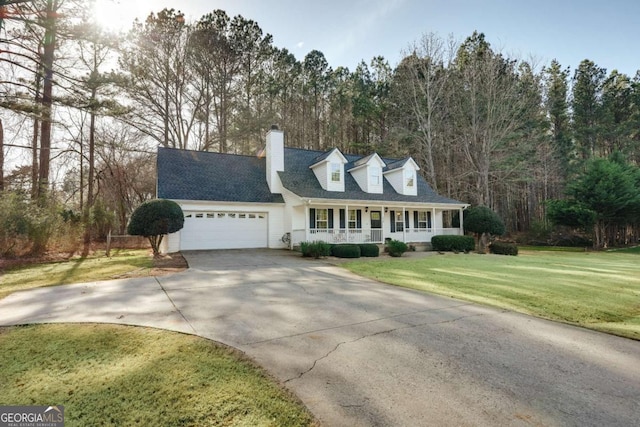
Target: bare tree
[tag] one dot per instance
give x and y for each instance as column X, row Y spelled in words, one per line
column 490, row 113
column 426, row 70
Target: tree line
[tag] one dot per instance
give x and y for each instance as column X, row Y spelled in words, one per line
column 486, row 128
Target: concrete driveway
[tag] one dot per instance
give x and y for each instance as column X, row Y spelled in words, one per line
column 361, row 353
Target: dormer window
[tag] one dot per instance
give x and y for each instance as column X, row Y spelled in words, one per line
column 367, row 171
column 402, row 176
column 329, row 168
column 375, row 176
column 335, row 172
column 410, row 179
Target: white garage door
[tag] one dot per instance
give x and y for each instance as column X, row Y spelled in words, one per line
column 223, row 230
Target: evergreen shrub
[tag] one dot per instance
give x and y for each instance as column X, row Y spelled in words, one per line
column 346, row 250
column 453, row 243
column 396, row 248
column 503, row 248
column 315, row 249
column 155, row 218
column 369, row 250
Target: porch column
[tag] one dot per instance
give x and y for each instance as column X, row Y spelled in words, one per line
column 382, row 218
column 461, row 223
column 404, row 229
column 306, row 226
column 346, row 223
column 433, row 221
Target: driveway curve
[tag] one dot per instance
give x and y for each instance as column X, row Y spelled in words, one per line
column 361, row 353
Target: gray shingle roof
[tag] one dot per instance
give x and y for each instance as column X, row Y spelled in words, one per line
column 299, row 179
column 396, row 164
column 199, row 175
column 363, row 160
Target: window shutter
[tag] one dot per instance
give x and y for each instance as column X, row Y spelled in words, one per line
column 428, row 219
column 393, row 221
column 330, row 218
column 342, row 219
column 312, row 218
column 406, row 219
column 416, row 223
column 359, row 218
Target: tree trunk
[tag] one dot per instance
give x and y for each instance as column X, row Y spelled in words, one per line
column 47, row 99
column 1, row 157
column 34, row 157
column 483, row 243
column 92, row 138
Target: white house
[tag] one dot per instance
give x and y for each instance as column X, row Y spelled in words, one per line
column 291, row 195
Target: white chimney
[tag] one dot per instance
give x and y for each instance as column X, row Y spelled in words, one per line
column 275, row 158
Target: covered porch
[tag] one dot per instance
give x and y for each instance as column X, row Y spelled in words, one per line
column 356, row 223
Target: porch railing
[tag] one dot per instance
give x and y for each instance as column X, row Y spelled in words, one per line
column 351, row 235
column 346, row 235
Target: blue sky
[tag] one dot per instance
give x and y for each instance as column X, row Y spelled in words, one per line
column 348, row 31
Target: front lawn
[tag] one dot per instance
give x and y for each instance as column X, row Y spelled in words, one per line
column 75, row 270
column 108, row 375
column 597, row 290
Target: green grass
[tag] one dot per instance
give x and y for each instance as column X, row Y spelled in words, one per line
column 633, row 250
column 597, row 290
column 552, row 248
column 112, row 375
column 77, row 270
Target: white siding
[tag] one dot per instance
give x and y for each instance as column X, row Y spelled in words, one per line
column 396, row 178
column 321, row 172
column 361, row 176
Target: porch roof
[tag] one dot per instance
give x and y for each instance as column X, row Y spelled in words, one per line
column 301, row 180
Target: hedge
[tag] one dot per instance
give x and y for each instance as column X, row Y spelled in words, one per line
column 315, row 249
column 453, row 243
column 369, row 250
column 503, row 248
column 346, row 250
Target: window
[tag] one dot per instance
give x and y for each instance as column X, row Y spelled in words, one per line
column 252, row 216
column 375, row 176
column 399, row 221
column 242, row 216
column 410, row 179
column 188, row 215
column 322, row 218
column 335, row 172
column 422, row 220
column 231, row 215
column 210, row 215
column 198, row 215
column 353, row 218
column 221, row 215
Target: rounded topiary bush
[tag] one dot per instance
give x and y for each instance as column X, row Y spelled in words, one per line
column 453, row 243
column 346, row 250
column 503, row 248
column 155, row 218
column 396, row 248
column 369, row 250
column 481, row 219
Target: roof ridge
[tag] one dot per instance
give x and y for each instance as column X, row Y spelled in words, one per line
column 161, row 147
